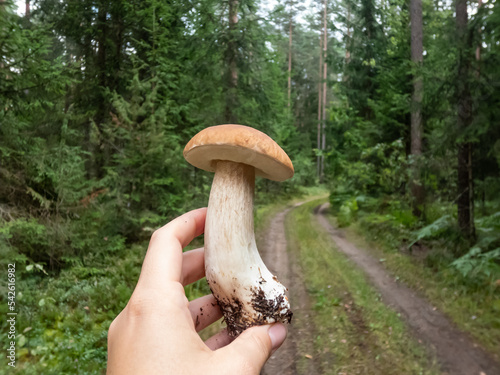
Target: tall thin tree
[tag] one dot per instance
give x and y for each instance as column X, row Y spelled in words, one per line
column 348, row 36
column 417, row 189
column 290, row 54
column 325, row 45
column 465, row 198
column 320, row 103
column 232, row 73
column 478, row 47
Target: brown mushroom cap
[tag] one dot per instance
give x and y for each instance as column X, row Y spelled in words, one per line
column 241, row 144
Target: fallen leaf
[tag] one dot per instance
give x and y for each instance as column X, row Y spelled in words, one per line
column 308, row 356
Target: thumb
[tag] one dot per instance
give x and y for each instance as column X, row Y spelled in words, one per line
column 255, row 345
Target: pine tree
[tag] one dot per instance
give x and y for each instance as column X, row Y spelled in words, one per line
column 417, row 188
column 465, row 198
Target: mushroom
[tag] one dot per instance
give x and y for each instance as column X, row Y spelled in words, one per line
column 247, row 292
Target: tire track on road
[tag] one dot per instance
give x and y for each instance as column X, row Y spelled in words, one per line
column 274, row 252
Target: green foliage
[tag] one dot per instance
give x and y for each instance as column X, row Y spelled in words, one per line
column 347, row 212
column 478, row 264
column 63, row 321
column 432, row 230
column 481, row 264
column 361, row 162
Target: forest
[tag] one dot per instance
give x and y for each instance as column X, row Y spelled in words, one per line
column 390, row 107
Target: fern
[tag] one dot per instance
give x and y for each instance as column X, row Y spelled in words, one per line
column 477, row 263
column 431, row 230
column 483, row 260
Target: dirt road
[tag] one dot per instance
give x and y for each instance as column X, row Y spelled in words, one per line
column 455, row 351
column 273, row 248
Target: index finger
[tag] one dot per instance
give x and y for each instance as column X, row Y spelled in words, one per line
column 163, row 261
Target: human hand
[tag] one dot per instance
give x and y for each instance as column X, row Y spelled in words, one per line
column 156, row 333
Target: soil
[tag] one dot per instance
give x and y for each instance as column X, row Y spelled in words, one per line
column 456, row 351
column 273, row 249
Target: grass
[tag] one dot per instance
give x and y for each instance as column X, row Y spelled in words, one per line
column 355, row 333
column 474, row 311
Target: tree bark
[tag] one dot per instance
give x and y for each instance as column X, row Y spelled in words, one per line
column 478, row 47
column 232, row 74
column 465, row 199
column 325, row 41
column 417, row 189
column 347, row 51
column 100, row 153
column 290, row 56
column 320, row 102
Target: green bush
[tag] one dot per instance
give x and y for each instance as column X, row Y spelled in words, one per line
column 481, row 264
column 347, row 212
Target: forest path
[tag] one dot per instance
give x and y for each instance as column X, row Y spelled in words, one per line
column 273, row 247
column 455, row 351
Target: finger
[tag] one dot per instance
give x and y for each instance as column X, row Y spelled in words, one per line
column 255, row 345
column 193, row 266
column 219, row 340
column 204, row 311
column 163, row 260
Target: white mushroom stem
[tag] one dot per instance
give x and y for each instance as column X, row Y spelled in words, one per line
column 247, row 292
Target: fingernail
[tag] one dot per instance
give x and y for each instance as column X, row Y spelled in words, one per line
column 277, row 334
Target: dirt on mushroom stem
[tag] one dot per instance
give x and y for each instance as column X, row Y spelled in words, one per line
column 236, row 319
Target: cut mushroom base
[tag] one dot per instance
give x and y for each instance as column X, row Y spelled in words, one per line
column 246, row 291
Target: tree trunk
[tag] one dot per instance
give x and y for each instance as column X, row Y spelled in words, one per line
column 465, row 200
column 232, row 74
column 325, row 41
column 417, row 189
column 27, row 10
column 478, row 48
column 347, row 51
column 320, row 102
column 100, row 156
column 290, row 57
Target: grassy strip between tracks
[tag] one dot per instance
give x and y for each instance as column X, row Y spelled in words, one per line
column 355, row 332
